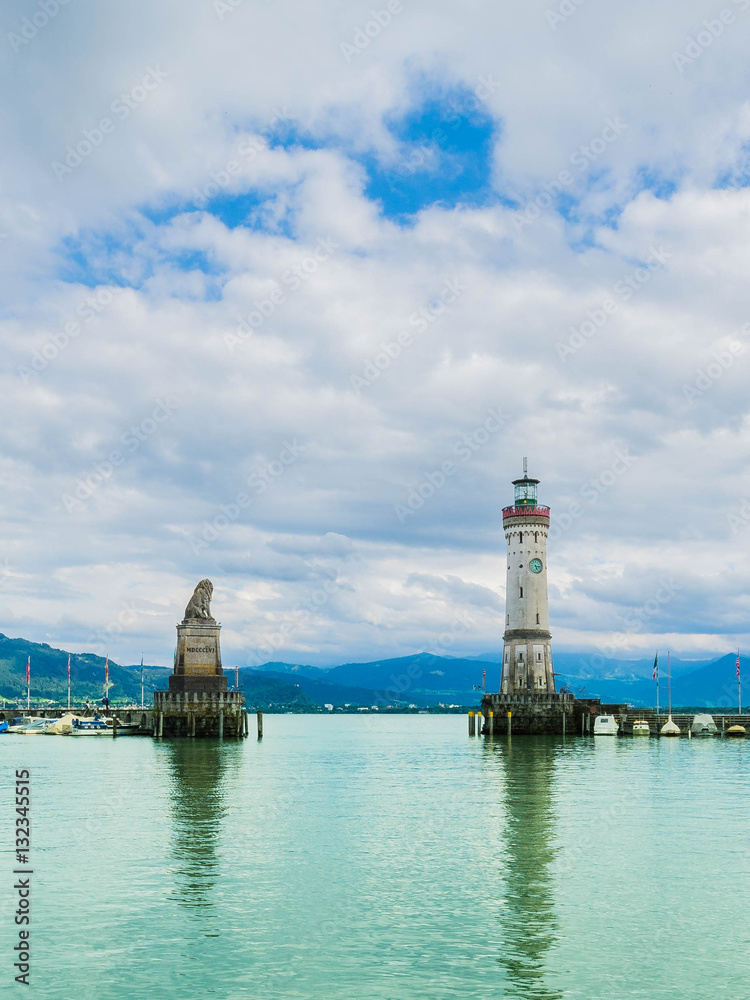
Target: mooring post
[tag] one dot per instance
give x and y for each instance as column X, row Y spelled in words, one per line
column 192, row 723
column 510, row 723
column 480, row 723
column 491, row 724
column 563, row 723
column 114, row 726
column 246, row 723
column 260, row 725
column 161, row 725
column 221, row 723
column 472, row 723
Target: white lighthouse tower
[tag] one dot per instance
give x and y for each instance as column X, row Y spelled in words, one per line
column 527, row 652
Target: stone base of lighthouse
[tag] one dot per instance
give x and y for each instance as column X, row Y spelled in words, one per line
column 527, row 663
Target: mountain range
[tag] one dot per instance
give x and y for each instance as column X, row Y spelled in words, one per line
column 420, row 680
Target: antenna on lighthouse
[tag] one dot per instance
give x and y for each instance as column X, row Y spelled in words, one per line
column 525, row 466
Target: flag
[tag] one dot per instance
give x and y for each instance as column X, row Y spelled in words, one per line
column 106, row 671
column 28, row 670
column 655, row 674
column 68, row 668
column 738, row 666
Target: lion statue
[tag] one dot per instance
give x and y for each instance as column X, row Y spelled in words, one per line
column 199, row 605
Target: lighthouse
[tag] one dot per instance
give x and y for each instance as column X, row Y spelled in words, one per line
column 527, row 651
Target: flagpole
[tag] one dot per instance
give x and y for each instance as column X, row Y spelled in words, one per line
column 68, row 681
column 141, row 680
column 656, row 671
column 28, row 684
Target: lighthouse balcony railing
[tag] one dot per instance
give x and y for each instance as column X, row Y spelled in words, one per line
column 526, row 511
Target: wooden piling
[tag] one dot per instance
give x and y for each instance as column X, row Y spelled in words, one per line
column 472, row 723
column 480, row 723
column 114, row 727
column 221, row 723
column 192, row 723
column 510, row 723
column 246, row 724
column 260, row 725
column 563, row 723
column 491, row 724
column 161, row 724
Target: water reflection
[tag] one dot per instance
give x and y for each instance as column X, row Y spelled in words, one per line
column 197, row 771
column 529, row 923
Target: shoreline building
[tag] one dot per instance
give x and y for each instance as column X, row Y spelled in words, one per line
column 527, row 650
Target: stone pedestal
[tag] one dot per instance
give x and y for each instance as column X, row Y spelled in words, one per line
column 198, row 661
column 197, row 703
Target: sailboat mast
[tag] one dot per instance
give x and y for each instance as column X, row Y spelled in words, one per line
column 669, row 683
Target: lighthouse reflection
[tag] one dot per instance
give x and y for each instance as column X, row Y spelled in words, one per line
column 529, row 923
column 197, row 771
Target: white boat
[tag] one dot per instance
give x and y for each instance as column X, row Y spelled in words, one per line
column 641, row 727
column 28, row 726
column 703, row 725
column 670, row 728
column 605, row 725
column 90, row 727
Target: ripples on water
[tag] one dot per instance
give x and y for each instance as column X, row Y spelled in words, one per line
column 388, row 857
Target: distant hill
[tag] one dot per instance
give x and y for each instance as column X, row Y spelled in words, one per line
column 423, row 679
column 49, row 679
column 49, row 675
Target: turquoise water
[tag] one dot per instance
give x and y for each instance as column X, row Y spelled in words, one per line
column 384, row 857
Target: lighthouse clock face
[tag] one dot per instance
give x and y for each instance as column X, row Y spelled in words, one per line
column 535, row 565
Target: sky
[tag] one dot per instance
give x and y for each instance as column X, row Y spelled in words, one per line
column 289, row 290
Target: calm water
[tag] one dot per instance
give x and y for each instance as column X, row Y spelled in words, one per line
column 392, row 857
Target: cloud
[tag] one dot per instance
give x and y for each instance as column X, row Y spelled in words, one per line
column 270, row 223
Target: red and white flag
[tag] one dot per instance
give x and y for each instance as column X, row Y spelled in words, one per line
column 737, row 674
column 28, row 670
column 69, row 668
column 106, row 671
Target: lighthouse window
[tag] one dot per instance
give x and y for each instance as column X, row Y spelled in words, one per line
column 536, row 536
column 520, row 538
column 537, row 618
column 521, row 589
column 538, row 655
column 507, row 619
column 520, row 656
